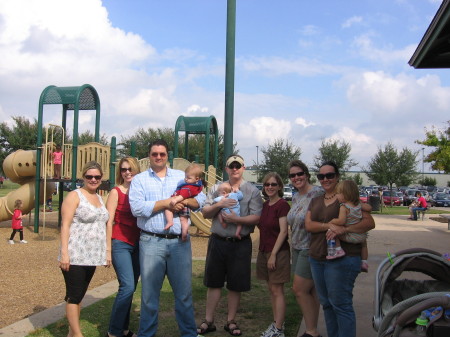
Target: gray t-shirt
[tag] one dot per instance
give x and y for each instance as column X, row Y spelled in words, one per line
column 251, row 204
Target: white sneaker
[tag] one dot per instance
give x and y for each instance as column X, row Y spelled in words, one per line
column 277, row 333
column 23, row 241
column 11, row 242
column 269, row 331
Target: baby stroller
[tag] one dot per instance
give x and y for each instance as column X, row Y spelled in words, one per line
column 398, row 302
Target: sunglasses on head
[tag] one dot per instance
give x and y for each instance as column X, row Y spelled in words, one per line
column 236, row 166
column 298, row 174
column 89, row 177
column 271, row 184
column 329, row 176
column 156, row 154
column 125, row 169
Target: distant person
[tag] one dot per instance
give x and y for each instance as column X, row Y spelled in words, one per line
column 57, row 162
column 350, row 213
column 1, row 181
column 123, row 241
column 421, row 205
column 224, row 191
column 83, row 241
column 16, row 223
column 187, row 188
column 273, row 263
column 49, row 204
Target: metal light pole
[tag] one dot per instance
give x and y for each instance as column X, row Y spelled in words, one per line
column 423, row 165
column 257, row 163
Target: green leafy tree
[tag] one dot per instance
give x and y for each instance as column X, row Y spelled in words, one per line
column 21, row 135
column 357, row 179
column 337, row 151
column 277, row 155
column 440, row 140
column 427, row 181
column 389, row 166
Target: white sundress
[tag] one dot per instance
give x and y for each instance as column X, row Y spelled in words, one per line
column 87, row 236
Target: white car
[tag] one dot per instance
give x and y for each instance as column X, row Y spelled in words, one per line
column 287, row 193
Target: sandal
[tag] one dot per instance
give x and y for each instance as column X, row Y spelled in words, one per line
column 232, row 330
column 210, row 327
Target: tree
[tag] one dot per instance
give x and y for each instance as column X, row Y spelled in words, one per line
column 440, row 140
column 337, row 151
column 357, row 179
column 427, row 181
column 276, row 158
column 389, row 167
column 22, row 135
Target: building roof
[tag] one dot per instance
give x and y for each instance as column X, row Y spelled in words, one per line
column 434, row 48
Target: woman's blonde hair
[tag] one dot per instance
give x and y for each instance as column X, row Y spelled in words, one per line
column 349, row 190
column 17, row 203
column 91, row 165
column 279, row 182
column 134, row 168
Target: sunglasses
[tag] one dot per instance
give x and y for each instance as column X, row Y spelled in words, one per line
column 329, row 176
column 236, row 166
column 298, row 174
column 271, row 184
column 125, row 169
column 89, row 177
column 156, row 154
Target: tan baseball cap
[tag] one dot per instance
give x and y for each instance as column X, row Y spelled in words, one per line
column 233, row 159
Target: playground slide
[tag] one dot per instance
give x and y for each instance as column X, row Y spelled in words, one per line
column 20, row 167
column 200, row 222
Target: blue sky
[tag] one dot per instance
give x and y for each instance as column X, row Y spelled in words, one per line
column 305, row 70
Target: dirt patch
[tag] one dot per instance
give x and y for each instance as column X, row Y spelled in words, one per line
column 31, row 280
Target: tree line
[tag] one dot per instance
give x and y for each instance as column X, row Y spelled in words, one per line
column 389, row 166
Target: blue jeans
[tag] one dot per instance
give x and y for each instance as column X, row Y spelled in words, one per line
column 415, row 209
column 160, row 257
column 125, row 259
column 334, row 281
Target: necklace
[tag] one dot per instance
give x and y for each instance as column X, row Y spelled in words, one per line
column 329, row 198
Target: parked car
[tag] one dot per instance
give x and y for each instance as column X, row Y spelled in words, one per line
column 401, row 196
column 287, row 193
column 363, row 197
column 389, row 197
column 410, row 196
column 68, row 185
column 441, row 200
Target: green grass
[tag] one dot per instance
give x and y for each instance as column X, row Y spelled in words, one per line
column 403, row 210
column 254, row 315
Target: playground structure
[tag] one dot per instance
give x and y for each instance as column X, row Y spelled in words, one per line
column 20, row 168
column 35, row 169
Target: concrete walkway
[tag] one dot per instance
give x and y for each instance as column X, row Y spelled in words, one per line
column 392, row 234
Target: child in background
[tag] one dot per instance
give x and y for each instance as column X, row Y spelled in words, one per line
column 49, row 204
column 224, row 191
column 187, row 188
column 16, row 223
column 350, row 213
column 57, row 162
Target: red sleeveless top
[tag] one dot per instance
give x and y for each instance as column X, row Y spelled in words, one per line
column 125, row 228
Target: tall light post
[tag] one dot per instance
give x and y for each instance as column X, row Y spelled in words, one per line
column 257, row 163
column 423, row 165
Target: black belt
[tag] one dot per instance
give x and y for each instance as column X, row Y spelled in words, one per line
column 230, row 238
column 164, row 236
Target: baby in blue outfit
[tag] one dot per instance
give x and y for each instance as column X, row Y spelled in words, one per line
column 224, row 191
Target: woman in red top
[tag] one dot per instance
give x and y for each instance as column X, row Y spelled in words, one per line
column 124, row 242
column 273, row 261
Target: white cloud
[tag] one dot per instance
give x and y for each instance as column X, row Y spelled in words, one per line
column 303, row 122
column 352, row 21
column 264, row 130
column 309, row 30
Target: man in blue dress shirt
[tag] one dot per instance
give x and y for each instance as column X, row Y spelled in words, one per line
column 162, row 252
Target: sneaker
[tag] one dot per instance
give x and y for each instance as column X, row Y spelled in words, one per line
column 339, row 253
column 23, row 241
column 277, row 333
column 269, row 331
column 11, row 242
column 364, row 267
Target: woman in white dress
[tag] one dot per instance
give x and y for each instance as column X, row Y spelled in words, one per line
column 83, row 241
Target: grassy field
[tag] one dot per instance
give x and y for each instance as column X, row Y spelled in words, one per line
column 254, row 316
